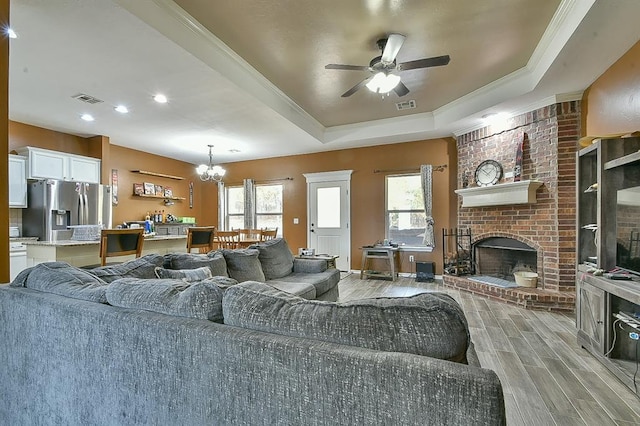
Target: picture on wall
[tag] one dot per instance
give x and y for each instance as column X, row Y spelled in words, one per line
column 149, row 189
column 159, row 190
column 138, row 189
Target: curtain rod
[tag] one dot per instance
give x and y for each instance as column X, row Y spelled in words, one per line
column 439, row 168
column 260, row 181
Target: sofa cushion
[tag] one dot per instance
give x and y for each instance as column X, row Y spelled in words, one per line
column 63, row 279
column 222, row 282
column 142, row 267
column 322, row 281
column 186, row 275
column 201, row 299
column 302, row 289
column 214, row 260
column 430, row 324
column 244, row 265
column 275, row 257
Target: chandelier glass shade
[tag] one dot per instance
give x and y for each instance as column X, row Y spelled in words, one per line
column 210, row 171
column 383, row 83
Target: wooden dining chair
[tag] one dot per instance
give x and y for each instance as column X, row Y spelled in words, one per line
column 120, row 242
column 201, row 238
column 249, row 234
column 268, row 234
column 227, row 239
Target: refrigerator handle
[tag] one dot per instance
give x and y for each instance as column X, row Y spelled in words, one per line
column 80, row 208
column 85, row 208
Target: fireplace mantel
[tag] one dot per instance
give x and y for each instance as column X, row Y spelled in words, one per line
column 523, row 192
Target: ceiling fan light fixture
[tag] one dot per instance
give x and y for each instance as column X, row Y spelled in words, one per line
column 210, row 171
column 383, row 83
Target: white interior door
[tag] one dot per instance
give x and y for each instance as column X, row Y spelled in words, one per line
column 328, row 215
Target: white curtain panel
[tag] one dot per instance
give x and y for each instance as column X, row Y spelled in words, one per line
column 426, row 172
column 249, row 201
column 222, row 206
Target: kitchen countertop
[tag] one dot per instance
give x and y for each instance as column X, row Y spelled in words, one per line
column 68, row 243
column 22, row 239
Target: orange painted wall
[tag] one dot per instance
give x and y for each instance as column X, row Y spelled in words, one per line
column 131, row 207
column 4, row 151
column 124, row 160
column 367, row 189
column 21, row 134
column 612, row 102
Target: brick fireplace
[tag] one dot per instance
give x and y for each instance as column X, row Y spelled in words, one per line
column 543, row 230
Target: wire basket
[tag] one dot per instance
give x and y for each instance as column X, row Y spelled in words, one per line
column 86, row 232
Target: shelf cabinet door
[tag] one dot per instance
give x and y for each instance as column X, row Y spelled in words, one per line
column 591, row 316
column 45, row 164
column 84, row 169
column 17, row 181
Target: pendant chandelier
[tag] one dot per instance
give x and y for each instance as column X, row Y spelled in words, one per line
column 210, row 171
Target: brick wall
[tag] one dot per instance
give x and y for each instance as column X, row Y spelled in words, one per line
column 551, row 141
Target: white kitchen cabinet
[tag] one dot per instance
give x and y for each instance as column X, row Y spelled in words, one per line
column 47, row 164
column 17, row 181
column 84, row 169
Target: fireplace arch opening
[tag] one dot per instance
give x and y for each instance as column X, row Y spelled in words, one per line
column 500, row 257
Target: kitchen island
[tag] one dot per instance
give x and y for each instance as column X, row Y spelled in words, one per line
column 83, row 253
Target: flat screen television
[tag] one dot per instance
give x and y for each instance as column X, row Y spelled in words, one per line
column 628, row 229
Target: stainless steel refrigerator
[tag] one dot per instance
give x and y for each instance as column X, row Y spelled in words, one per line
column 55, row 207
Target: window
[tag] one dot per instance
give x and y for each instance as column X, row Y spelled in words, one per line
column 405, row 216
column 235, row 207
column 268, row 207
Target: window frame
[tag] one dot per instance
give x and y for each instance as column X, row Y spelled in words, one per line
column 388, row 212
column 255, row 213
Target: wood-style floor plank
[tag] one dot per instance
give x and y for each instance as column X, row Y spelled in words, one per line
column 547, row 378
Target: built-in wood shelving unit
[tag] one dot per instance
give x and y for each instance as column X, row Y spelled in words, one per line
column 158, row 196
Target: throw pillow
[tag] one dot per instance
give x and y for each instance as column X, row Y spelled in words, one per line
column 214, row 260
column 222, row 282
column 63, row 279
column 244, row 265
column 201, row 299
column 429, row 324
column 186, row 275
column 275, row 257
column 142, row 267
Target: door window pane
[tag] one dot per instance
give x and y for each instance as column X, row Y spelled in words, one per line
column 328, row 206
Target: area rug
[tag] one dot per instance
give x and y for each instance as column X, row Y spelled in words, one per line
column 498, row 282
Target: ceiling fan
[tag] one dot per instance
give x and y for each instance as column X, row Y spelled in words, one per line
column 383, row 80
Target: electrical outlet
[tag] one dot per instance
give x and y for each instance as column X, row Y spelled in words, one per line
column 411, row 259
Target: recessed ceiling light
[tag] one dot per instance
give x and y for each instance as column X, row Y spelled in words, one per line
column 87, row 117
column 122, row 109
column 495, row 117
column 11, row 33
column 234, row 151
column 160, row 98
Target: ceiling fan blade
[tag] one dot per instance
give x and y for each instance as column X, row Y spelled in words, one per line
column 424, row 63
column 347, row 67
column 401, row 89
column 357, row 87
column 391, row 49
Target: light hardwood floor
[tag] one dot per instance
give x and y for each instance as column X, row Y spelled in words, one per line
column 546, row 377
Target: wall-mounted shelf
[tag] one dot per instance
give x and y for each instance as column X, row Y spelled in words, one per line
column 145, row 172
column 158, row 196
column 523, row 192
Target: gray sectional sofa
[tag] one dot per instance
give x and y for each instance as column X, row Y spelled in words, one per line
column 102, row 348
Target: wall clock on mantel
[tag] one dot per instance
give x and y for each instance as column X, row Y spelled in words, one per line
column 488, row 173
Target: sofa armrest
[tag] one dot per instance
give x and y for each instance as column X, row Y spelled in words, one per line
column 309, row 266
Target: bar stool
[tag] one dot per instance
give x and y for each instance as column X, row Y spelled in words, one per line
column 201, row 237
column 120, row 242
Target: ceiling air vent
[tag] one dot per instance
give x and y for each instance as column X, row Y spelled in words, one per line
column 87, row 98
column 401, row 106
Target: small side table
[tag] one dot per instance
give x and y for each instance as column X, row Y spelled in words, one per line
column 387, row 253
column 330, row 258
